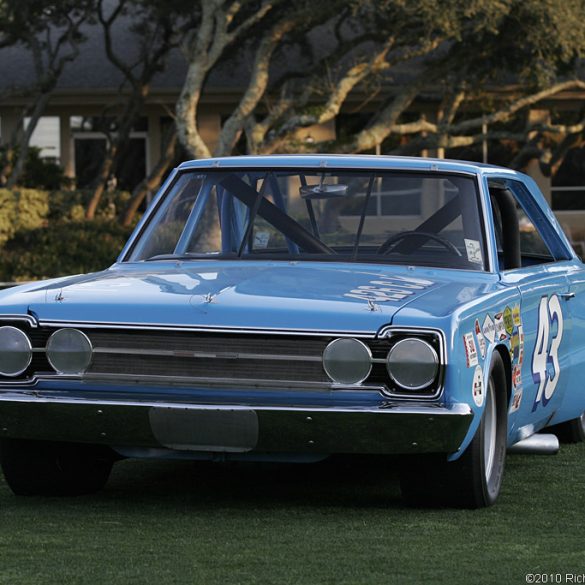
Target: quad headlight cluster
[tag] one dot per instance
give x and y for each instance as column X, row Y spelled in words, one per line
column 68, row 351
column 412, row 364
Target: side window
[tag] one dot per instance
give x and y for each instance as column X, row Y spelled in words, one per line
column 524, row 235
column 531, row 242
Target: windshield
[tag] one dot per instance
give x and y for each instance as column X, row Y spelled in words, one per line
column 429, row 219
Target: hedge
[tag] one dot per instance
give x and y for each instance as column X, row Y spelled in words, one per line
column 22, row 209
column 61, row 248
column 44, row 234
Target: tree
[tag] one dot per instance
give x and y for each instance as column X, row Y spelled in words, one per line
column 385, row 60
column 154, row 178
column 51, row 31
column 156, row 27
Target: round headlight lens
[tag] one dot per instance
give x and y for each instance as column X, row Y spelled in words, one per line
column 69, row 351
column 15, row 351
column 412, row 363
column 347, row 361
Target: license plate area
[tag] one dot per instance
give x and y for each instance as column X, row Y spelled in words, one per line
column 195, row 429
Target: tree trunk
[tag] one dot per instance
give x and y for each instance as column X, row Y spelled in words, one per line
column 102, row 179
column 150, row 183
column 186, row 109
column 116, row 147
column 8, row 166
column 22, row 139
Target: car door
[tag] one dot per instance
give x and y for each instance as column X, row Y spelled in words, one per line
column 539, row 328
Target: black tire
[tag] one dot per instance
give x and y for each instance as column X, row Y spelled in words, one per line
column 466, row 482
column 44, row 468
column 572, row 431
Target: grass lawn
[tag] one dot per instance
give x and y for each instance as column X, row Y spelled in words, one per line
column 176, row 522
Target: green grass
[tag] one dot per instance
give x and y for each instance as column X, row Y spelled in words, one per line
column 176, row 522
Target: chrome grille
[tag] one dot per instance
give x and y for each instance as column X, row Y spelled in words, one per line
column 207, row 357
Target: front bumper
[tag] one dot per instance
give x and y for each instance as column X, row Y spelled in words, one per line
column 390, row 428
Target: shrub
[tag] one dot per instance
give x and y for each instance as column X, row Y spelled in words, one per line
column 71, row 205
column 41, row 173
column 61, row 248
column 38, row 172
column 21, row 209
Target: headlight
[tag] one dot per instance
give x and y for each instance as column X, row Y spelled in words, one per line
column 347, row 361
column 412, row 364
column 69, row 351
column 15, row 351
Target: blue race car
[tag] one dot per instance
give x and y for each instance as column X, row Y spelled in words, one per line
column 290, row 308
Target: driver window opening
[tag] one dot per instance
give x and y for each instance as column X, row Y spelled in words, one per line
column 518, row 239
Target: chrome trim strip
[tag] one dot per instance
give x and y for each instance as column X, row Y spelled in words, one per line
column 389, row 330
column 28, row 318
column 483, row 199
column 227, row 383
column 206, row 329
column 217, row 382
column 228, row 355
column 7, row 384
column 332, row 163
column 458, row 408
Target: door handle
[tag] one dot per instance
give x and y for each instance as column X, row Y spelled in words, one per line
column 567, row 295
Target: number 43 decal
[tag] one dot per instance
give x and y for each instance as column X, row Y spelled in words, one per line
column 546, row 350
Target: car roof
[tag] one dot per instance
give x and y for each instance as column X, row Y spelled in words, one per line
column 335, row 161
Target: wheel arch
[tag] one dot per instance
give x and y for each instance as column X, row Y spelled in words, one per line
column 505, row 355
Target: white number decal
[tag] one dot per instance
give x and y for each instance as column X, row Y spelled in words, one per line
column 549, row 312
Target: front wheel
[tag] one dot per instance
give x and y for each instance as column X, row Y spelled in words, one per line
column 47, row 468
column 474, row 480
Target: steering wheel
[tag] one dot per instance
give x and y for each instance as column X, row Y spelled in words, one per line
column 394, row 239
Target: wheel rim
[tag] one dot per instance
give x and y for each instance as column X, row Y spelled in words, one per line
column 582, row 421
column 489, row 437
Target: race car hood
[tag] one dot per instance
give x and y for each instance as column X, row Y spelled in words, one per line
column 303, row 296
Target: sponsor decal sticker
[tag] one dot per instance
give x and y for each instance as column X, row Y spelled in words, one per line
column 516, row 315
column 499, row 326
column 516, row 376
column 508, row 320
column 520, row 345
column 473, row 250
column 477, row 388
column 515, row 346
column 261, row 239
column 470, row 350
column 516, row 400
column 480, row 339
column 489, row 329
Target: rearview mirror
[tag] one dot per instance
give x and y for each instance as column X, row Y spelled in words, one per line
column 323, row 191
